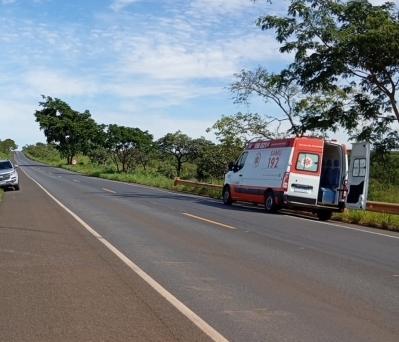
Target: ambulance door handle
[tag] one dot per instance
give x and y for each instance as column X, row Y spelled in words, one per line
column 240, row 175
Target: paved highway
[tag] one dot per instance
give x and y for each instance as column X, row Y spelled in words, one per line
column 237, row 272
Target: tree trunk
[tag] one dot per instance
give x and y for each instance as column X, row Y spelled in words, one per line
column 178, row 168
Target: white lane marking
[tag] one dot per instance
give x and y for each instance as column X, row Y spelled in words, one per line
column 76, row 181
column 209, row 221
column 344, row 227
column 114, row 192
column 193, row 317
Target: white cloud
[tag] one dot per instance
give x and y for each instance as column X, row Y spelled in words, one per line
column 213, row 59
column 163, row 66
column 7, row 2
column 221, row 6
column 119, row 4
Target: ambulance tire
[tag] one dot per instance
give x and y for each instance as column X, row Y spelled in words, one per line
column 227, row 196
column 324, row 215
column 270, row 204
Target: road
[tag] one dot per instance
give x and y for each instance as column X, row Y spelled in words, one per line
column 241, row 273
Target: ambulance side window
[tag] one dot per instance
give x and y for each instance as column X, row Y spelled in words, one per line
column 241, row 161
column 359, row 167
column 307, row 162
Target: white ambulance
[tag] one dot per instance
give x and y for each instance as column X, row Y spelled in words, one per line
column 304, row 173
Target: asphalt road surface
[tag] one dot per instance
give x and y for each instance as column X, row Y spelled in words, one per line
column 188, row 268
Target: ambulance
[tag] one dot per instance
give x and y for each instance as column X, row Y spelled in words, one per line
column 301, row 173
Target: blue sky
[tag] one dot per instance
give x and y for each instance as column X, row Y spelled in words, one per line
column 160, row 65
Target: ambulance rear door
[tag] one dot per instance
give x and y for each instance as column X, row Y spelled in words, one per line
column 358, row 176
column 304, row 177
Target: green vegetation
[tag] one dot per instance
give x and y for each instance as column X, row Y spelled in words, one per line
column 349, row 51
column 160, row 174
column 6, row 147
column 370, row 219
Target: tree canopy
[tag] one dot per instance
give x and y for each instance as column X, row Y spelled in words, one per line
column 181, row 147
column 292, row 105
column 127, row 145
column 271, row 87
column 72, row 132
column 7, row 145
column 349, row 46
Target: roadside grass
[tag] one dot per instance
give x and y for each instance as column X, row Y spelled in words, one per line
column 369, row 219
column 383, row 192
column 151, row 178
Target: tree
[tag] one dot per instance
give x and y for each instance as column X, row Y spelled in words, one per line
column 278, row 88
column 98, row 155
column 145, row 152
column 270, row 87
column 240, row 128
column 213, row 159
column 71, row 132
column 347, row 45
column 181, row 147
column 124, row 145
column 8, row 145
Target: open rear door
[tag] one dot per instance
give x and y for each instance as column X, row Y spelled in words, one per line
column 358, row 176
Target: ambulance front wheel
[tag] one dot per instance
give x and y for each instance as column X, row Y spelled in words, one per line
column 227, row 196
column 324, row 215
column 270, row 204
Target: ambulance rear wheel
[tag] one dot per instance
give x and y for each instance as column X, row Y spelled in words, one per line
column 270, row 204
column 324, row 215
column 227, row 196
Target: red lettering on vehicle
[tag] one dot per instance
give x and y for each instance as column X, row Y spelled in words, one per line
column 276, row 152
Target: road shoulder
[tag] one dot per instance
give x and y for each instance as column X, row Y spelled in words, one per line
column 59, row 283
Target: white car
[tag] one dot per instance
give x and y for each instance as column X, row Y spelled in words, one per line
column 8, row 174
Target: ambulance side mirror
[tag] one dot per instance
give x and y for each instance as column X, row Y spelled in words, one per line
column 230, row 166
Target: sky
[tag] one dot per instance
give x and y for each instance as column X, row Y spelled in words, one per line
column 159, row 65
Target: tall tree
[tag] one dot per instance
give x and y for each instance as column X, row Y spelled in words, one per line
column 181, row 147
column 270, row 87
column 279, row 89
column 72, row 132
column 7, row 145
column 238, row 129
column 124, row 144
column 351, row 45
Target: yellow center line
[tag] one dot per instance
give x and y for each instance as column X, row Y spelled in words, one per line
column 210, row 221
column 114, row 192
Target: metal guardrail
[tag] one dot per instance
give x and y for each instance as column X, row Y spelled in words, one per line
column 179, row 181
column 383, row 207
column 378, row 207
